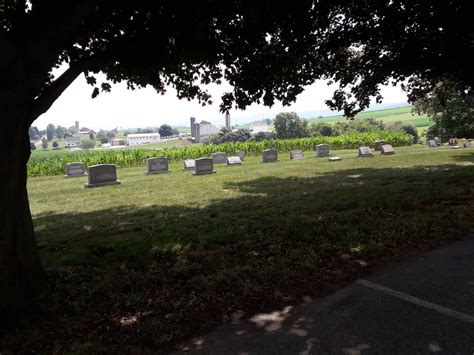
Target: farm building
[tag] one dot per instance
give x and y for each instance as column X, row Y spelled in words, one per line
column 143, row 138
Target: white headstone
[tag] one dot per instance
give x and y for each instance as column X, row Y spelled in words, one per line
column 335, row 159
column 234, row 160
column 432, row 143
column 188, row 164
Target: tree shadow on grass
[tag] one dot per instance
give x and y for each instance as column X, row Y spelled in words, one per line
column 147, row 277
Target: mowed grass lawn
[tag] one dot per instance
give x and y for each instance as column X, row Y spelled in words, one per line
column 138, row 266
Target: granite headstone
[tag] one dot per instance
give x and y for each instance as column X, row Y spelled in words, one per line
column 296, row 154
column 157, row 165
column 386, row 149
column 219, row 158
column 240, row 154
column 378, row 144
column 365, row 152
column 102, row 174
column 269, row 156
column 75, row 170
column 322, row 150
column 204, row 166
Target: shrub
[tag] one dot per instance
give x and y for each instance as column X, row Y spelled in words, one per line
column 88, row 144
column 407, row 128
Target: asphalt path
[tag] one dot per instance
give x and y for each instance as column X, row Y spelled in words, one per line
column 424, row 304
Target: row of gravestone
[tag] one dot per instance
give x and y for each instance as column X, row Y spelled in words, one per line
column 433, row 143
column 106, row 174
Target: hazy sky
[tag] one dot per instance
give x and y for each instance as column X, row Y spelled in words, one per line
column 144, row 108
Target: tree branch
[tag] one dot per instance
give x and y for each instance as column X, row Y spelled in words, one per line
column 45, row 100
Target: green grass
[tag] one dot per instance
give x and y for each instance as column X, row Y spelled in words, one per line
column 388, row 116
column 193, row 250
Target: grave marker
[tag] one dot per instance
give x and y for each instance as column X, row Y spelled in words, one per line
column 322, row 150
column 467, row 144
column 75, row 170
column 387, row 149
column 240, row 154
column 296, row 154
column 102, row 174
column 188, row 164
column 269, row 156
column 365, row 152
column 157, row 165
column 204, row 166
column 378, row 144
column 334, row 158
column 219, row 158
column 234, row 160
column 432, row 143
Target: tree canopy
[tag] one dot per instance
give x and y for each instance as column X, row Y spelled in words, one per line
column 290, row 125
column 267, row 51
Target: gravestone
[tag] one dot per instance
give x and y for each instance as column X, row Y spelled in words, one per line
column 219, row 158
column 467, row 144
column 269, row 156
column 378, row 144
column 157, row 165
column 386, row 149
column 365, row 152
column 438, row 141
column 188, row 164
column 456, row 147
column 204, row 166
column 322, row 150
column 432, row 143
column 75, row 170
column 240, row 154
column 296, row 154
column 102, row 174
column 234, row 160
column 334, row 158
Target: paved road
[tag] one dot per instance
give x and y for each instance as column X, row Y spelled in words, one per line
column 422, row 305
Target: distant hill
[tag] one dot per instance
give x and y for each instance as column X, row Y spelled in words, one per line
column 402, row 114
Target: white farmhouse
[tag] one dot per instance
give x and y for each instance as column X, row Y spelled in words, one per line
column 143, row 138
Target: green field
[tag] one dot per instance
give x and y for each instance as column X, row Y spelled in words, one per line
column 388, row 116
column 138, row 266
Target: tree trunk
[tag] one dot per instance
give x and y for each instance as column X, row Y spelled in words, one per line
column 21, row 271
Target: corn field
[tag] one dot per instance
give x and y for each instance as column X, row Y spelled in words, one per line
column 44, row 164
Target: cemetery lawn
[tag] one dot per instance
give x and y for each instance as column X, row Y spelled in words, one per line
column 137, row 267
